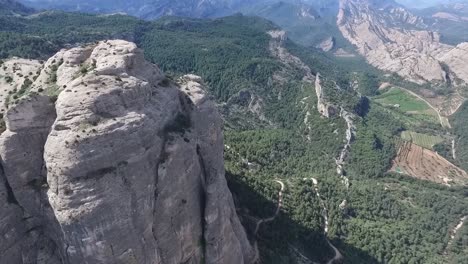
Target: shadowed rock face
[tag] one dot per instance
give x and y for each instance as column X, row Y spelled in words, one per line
column 105, row 160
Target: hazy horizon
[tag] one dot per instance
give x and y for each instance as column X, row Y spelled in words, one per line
column 427, row 3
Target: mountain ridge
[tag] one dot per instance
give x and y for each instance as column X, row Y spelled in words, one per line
column 328, row 128
column 14, row 7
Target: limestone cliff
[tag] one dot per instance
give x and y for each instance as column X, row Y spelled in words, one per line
column 395, row 40
column 105, row 160
column 325, row 108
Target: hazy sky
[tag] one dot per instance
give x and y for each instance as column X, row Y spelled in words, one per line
column 426, row 3
column 407, row 3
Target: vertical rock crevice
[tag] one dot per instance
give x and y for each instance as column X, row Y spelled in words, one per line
column 11, row 199
column 203, row 176
column 134, row 167
column 28, row 123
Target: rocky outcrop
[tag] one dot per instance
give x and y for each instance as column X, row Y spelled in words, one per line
column 327, row 44
column 389, row 48
column 249, row 101
column 16, row 74
column 350, row 136
column 395, row 40
column 449, row 16
column 325, row 109
column 105, row 160
column 277, row 50
column 456, row 59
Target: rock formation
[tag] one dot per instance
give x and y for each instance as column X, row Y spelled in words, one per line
column 277, row 49
column 327, row 44
column 350, row 136
column 105, row 160
column 323, row 106
column 395, row 40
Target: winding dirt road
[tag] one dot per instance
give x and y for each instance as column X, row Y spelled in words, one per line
column 269, row 219
column 278, row 208
column 444, row 122
column 338, row 256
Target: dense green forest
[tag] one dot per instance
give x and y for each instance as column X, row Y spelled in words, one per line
column 386, row 218
column 236, row 60
column 460, row 126
column 39, row 36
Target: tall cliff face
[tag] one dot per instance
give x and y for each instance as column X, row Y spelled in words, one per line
column 105, row 160
column 389, row 47
column 395, row 40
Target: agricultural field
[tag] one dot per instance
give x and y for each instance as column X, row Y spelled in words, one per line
column 405, row 101
column 423, row 140
column 424, row 164
column 407, row 107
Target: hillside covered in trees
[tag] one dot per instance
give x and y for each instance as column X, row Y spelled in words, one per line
column 274, row 132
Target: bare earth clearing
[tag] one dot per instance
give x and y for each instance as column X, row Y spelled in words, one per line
column 425, row 164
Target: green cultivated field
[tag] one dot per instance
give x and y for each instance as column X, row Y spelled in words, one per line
column 423, row 140
column 407, row 108
column 407, row 102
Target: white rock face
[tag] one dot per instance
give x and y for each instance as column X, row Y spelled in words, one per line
column 13, row 75
column 450, row 16
column 384, row 34
column 125, row 167
column 456, row 59
column 325, row 109
column 327, row 45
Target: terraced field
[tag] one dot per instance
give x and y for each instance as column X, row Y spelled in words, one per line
column 423, row 140
column 425, row 164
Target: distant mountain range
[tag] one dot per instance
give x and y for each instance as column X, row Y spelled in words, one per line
column 370, row 27
column 13, row 7
column 147, row 9
column 151, row 9
column 427, row 3
column 103, row 159
column 309, row 22
column 297, row 16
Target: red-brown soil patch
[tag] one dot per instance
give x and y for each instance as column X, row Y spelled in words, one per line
column 425, row 164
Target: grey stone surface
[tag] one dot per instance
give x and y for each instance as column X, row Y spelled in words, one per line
column 393, row 39
column 123, row 167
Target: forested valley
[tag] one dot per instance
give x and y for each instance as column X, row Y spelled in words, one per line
column 373, row 216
